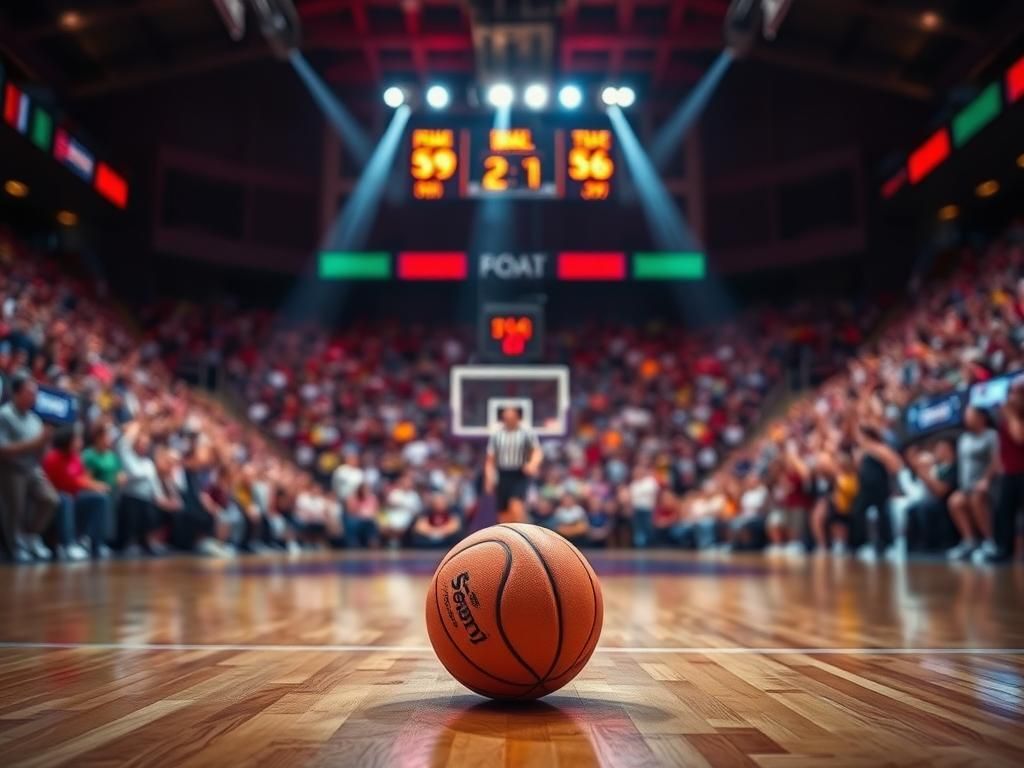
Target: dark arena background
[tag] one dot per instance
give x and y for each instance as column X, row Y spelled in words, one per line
column 724, row 299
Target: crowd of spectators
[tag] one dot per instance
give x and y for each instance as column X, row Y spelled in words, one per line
column 347, row 441
column 365, row 410
column 143, row 463
column 842, row 471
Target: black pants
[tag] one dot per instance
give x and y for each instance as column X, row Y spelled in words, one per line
column 190, row 525
column 928, row 526
column 1008, row 504
column 512, row 484
column 136, row 518
column 871, row 495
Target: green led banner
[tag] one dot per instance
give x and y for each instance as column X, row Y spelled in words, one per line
column 355, row 265
column 655, row 265
column 983, row 110
column 42, row 129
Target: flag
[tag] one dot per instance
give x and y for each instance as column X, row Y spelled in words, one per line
column 16, row 106
column 75, row 156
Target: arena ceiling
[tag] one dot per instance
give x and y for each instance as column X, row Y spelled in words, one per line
column 917, row 48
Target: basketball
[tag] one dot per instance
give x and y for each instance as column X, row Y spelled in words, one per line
column 514, row 612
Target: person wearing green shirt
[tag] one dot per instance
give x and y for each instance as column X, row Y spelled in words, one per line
column 102, row 463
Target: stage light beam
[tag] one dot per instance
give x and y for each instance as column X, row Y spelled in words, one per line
column 352, row 227
column 668, row 228
column 342, row 120
column 570, row 96
column 678, row 125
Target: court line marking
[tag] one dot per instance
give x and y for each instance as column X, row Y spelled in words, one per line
column 731, row 650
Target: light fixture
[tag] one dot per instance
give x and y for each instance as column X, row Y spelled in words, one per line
column 930, row 20
column 570, row 96
column 16, row 188
column 70, row 20
column 500, row 95
column 626, row 96
column 394, row 97
column 948, row 212
column 438, row 97
column 536, row 96
column 610, row 96
column 1020, row 160
column 67, row 218
column 987, row 188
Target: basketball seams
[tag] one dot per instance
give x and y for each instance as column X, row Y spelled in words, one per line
column 444, row 624
column 554, row 592
column 497, row 614
column 593, row 591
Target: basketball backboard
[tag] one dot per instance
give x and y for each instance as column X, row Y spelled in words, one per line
column 478, row 393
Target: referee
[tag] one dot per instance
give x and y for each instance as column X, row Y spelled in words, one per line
column 513, row 457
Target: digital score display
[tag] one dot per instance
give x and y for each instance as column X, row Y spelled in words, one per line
column 511, row 333
column 516, row 162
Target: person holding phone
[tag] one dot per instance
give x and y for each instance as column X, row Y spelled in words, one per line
column 28, row 501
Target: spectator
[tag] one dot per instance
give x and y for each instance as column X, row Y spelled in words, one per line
column 969, row 506
column 85, row 502
column 570, row 520
column 837, row 486
column 1011, row 463
column 437, row 525
column 928, row 519
column 643, row 498
column 602, row 523
column 139, row 515
column 878, row 462
column 361, row 511
column 402, row 506
column 28, row 501
column 348, row 477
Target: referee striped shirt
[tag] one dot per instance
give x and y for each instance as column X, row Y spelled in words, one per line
column 512, row 448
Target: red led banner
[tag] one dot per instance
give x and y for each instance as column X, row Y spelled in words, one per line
column 1015, row 81
column 111, row 185
column 432, row 265
column 894, row 184
column 928, row 156
column 583, row 265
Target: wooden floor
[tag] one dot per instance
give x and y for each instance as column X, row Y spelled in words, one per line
column 324, row 661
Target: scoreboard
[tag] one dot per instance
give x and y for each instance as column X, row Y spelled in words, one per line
column 517, row 162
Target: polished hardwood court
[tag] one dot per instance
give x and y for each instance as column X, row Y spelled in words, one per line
column 323, row 660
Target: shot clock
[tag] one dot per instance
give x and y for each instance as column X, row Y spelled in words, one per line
column 511, row 333
column 536, row 161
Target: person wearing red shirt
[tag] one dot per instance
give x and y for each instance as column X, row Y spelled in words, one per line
column 1011, row 465
column 85, row 502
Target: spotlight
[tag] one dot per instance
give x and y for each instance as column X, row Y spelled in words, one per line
column 1020, row 161
column 437, row 96
column 394, row 97
column 70, row 20
column 930, row 20
column 987, row 188
column 948, row 212
column 626, row 96
column 16, row 188
column 610, row 96
column 570, row 96
column 500, row 95
column 67, row 218
column 536, row 96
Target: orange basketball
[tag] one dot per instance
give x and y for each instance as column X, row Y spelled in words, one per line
column 514, row 612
